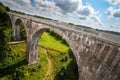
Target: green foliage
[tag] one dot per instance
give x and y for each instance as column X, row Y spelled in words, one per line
column 57, row 36
column 70, row 68
column 5, row 33
column 42, row 17
column 22, row 31
column 21, row 73
column 50, row 41
column 7, row 9
column 54, row 34
column 19, row 12
column 66, row 69
column 20, row 25
column 35, row 68
column 111, row 32
column 2, row 8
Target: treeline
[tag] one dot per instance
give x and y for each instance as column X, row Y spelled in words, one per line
column 82, row 26
column 19, row 12
column 41, row 17
column 57, row 36
column 106, row 31
column 111, row 32
column 5, row 32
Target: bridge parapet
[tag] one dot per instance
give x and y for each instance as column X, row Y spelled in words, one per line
column 103, row 36
column 110, row 37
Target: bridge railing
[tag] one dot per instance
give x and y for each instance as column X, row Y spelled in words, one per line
column 103, row 36
column 89, row 32
column 109, row 37
column 92, row 31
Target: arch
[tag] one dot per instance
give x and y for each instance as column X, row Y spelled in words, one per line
column 35, row 39
column 33, row 53
column 15, row 26
column 34, row 44
column 17, row 33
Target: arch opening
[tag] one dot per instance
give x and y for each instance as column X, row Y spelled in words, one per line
column 59, row 57
column 19, row 31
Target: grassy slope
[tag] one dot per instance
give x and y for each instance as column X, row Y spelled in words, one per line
column 52, row 65
column 49, row 41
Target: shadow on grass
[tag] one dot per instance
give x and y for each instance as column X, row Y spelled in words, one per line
column 11, row 69
column 69, row 72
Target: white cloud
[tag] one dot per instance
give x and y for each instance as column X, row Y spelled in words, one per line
column 67, row 6
column 42, row 7
column 114, row 2
column 65, row 10
column 61, row 9
column 86, row 10
column 47, row 6
column 113, row 13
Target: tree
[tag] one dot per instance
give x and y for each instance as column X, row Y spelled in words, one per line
column 5, row 31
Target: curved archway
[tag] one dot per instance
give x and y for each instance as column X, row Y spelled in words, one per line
column 19, row 31
column 34, row 53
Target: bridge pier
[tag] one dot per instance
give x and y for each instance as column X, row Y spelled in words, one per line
column 16, row 32
column 32, row 53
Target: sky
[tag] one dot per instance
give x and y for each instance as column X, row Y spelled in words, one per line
column 98, row 14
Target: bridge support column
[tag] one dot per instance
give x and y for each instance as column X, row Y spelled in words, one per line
column 16, row 32
column 32, row 53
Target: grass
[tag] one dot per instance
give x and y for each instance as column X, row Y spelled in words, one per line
column 25, row 72
column 52, row 65
column 48, row 41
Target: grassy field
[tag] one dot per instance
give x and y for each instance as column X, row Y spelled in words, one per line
column 52, row 65
column 49, row 41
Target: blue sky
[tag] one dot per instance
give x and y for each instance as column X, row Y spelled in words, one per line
column 99, row 14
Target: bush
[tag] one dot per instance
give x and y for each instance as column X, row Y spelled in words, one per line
column 64, row 59
column 2, row 8
column 7, row 9
column 5, row 31
column 21, row 73
column 35, row 68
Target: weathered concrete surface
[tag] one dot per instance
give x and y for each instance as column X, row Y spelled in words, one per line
column 97, row 54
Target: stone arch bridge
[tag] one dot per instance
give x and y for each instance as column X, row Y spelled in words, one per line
column 97, row 54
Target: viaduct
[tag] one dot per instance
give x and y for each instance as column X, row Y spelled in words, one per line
column 97, row 54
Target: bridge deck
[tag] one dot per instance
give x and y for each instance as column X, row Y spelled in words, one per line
column 114, row 39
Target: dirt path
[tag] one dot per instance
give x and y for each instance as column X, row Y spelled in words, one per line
column 49, row 72
column 50, row 68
